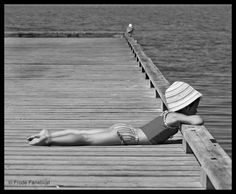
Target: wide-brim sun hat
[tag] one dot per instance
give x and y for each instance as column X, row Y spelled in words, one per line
column 180, row 95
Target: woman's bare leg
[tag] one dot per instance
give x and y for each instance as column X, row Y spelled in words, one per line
column 108, row 137
column 96, row 137
column 66, row 132
column 75, row 131
column 100, row 138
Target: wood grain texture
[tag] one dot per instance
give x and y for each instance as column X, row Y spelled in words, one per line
column 84, row 83
column 216, row 164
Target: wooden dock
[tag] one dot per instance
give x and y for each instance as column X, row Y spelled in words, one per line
column 84, row 83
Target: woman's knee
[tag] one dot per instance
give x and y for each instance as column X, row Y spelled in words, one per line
column 90, row 139
column 80, row 139
column 70, row 131
column 103, row 138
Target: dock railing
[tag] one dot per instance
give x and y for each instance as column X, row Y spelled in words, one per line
column 216, row 165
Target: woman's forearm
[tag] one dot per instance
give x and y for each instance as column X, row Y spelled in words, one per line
column 178, row 118
column 195, row 120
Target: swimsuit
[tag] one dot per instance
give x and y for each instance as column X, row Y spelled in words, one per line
column 127, row 134
column 157, row 130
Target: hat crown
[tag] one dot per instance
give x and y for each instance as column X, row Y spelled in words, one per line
column 180, row 95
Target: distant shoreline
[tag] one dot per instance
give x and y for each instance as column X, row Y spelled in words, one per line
column 62, row 34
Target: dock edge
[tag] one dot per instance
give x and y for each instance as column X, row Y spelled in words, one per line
column 215, row 163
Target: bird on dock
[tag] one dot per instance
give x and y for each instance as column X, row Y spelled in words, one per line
column 130, row 30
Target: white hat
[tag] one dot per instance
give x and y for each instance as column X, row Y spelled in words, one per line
column 180, row 95
column 130, row 25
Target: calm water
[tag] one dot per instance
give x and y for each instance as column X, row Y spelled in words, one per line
column 191, row 43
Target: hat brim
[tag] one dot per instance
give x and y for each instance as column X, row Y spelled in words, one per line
column 185, row 102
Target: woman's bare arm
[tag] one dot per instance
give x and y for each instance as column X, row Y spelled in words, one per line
column 175, row 119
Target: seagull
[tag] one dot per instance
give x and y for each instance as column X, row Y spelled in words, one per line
column 130, row 29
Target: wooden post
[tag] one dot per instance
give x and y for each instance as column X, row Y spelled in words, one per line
column 205, row 181
column 163, row 106
column 143, row 69
column 215, row 163
column 151, row 84
column 186, row 147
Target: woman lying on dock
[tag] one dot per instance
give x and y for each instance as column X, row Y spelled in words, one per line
column 182, row 101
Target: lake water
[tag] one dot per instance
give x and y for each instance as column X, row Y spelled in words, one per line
column 191, row 43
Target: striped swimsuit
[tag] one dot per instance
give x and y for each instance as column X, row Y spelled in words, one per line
column 157, row 131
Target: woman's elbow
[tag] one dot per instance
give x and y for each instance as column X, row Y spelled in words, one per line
column 198, row 120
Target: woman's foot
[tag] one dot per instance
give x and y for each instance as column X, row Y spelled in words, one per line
column 41, row 141
column 43, row 132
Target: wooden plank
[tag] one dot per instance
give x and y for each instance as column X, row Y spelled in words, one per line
column 78, row 84
column 79, row 90
column 33, row 109
column 67, row 124
column 172, row 153
column 77, row 117
column 65, row 42
column 18, row 83
column 84, row 84
column 22, row 99
column 102, row 148
column 137, row 150
column 98, row 189
column 57, row 51
column 102, row 162
column 108, row 181
column 74, row 75
column 215, row 162
column 157, row 80
column 109, row 172
column 81, row 94
column 116, row 66
column 106, row 154
column 32, row 167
